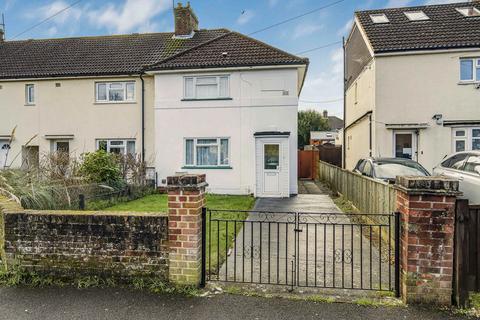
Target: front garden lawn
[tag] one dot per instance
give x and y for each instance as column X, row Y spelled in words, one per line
column 220, row 237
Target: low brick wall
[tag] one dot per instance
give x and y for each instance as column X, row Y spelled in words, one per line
column 72, row 243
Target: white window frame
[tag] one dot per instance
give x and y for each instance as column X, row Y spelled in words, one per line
column 468, row 138
column 379, row 18
column 417, row 15
column 475, row 67
column 124, row 145
column 217, row 144
column 194, row 89
column 464, row 11
column 107, row 90
column 29, row 96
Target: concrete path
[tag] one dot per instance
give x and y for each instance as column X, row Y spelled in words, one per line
column 114, row 304
column 332, row 252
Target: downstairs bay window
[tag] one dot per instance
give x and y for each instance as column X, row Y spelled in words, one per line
column 207, row 152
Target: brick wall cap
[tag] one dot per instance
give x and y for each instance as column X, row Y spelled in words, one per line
column 188, row 182
column 433, row 185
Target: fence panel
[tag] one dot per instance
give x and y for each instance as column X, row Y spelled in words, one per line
column 366, row 194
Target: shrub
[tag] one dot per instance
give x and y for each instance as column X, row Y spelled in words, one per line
column 101, row 167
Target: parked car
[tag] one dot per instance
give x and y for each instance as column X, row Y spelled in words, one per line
column 464, row 166
column 387, row 169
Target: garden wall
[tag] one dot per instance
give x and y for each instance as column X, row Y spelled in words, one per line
column 72, row 243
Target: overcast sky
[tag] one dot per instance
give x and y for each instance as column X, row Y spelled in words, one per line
column 323, row 87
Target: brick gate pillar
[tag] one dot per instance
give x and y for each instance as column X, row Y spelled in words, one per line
column 186, row 197
column 427, row 207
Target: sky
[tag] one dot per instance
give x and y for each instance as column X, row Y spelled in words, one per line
column 323, row 88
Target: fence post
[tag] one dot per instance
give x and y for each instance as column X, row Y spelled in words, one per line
column 186, row 198
column 204, row 248
column 81, row 201
column 461, row 274
column 427, row 207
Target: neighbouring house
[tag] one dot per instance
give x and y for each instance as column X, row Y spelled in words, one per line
column 194, row 100
column 331, row 136
column 413, row 83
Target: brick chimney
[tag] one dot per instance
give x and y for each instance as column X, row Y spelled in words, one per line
column 186, row 22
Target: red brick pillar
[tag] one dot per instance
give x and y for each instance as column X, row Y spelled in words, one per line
column 186, row 197
column 427, row 207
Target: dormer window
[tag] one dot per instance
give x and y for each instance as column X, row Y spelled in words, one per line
column 379, row 18
column 416, row 16
column 469, row 11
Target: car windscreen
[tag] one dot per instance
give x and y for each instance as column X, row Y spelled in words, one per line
column 389, row 170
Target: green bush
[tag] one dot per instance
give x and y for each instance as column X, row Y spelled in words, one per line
column 101, row 167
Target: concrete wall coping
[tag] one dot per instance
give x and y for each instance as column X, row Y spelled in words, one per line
column 432, row 185
column 189, row 182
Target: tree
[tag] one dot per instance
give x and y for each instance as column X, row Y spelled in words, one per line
column 310, row 120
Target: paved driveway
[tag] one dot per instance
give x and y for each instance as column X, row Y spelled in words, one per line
column 332, row 252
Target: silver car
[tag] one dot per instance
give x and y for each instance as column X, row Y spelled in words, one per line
column 464, row 166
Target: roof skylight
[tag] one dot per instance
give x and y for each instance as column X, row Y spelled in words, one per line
column 416, row 15
column 379, row 18
column 469, row 11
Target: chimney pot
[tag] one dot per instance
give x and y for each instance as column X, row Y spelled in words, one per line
column 186, row 22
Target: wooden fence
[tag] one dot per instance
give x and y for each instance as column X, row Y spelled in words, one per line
column 467, row 255
column 366, row 194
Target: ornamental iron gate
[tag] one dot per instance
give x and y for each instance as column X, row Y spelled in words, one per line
column 302, row 249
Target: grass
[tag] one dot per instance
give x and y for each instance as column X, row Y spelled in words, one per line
column 221, row 240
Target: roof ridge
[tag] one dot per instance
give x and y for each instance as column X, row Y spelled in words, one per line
column 108, row 36
column 187, row 50
column 271, row 47
column 419, row 6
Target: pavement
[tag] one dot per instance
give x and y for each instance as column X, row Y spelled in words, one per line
column 332, row 251
column 115, row 304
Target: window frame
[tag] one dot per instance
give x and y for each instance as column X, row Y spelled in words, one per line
column 194, row 79
column 107, row 91
column 423, row 17
column 475, row 70
column 468, row 138
column 29, row 96
column 381, row 16
column 124, row 145
column 461, row 11
column 195, row 165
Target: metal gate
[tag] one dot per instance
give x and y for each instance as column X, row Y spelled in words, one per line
column 302, row 249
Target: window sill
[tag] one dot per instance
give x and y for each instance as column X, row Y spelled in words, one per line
column 29, row 104
column 207, row 167
column 464, row 83
column 112, row 102
column 207, row 99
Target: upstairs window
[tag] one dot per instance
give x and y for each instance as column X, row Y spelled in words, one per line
column 30, row 94
column 469, row 12
column 111, row 92
column 379, row 18
column 207, row 87
column 470, row 70
column 416, row 16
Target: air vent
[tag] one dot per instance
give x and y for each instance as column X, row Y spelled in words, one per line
column 58, row 84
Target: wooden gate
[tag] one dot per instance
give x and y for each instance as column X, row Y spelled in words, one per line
column 307, row 164
column 466, row 254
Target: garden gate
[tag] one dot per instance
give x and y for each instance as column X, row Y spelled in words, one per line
column 302, row 249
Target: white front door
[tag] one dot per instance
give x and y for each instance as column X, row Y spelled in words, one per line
column 4, row 146
column 272, row 169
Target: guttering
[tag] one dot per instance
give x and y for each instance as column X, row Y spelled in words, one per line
column 285, row 66
column 143, row 116
column 71, row 77
column 359, row 119
column 408, row 52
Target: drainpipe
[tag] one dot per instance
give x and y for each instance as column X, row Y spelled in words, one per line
column 344, row 162
column 370, row 134
column 143, row 116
